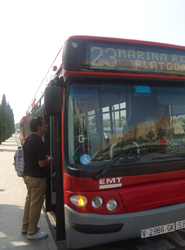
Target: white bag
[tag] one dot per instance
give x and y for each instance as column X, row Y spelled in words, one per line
column 19, row 161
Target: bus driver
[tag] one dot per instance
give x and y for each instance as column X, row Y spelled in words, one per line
column 159, row 114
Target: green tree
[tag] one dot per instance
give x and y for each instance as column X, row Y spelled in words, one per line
column 6, row 120
column 160, row 133
column 150, row 135
column 106, row 123
column 1, row 125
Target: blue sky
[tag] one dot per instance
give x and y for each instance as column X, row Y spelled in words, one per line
column 32, row 33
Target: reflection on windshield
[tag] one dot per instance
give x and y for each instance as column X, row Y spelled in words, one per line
column 141, row 124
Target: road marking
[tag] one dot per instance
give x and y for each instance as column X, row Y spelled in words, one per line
column 175, row 236
column 156, row 245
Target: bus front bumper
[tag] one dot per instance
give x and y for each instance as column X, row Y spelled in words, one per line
column 83, row 229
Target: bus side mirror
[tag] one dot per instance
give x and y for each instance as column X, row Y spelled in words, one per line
column 53, row 100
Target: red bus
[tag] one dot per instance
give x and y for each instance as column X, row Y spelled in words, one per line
column 23, row 130
column 116, row 110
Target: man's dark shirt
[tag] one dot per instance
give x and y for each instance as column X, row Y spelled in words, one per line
column 34, row 151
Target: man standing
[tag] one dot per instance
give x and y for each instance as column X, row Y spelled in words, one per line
column 35, row 178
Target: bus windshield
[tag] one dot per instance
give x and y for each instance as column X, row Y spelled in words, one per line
column 137, row 123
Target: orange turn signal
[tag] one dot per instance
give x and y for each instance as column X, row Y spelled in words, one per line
column 79, row 200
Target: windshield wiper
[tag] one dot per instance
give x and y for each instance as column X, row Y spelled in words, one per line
column 111, row 163
column 126, row 153
column 167, row 157
column 131, row 152
column 107, row 166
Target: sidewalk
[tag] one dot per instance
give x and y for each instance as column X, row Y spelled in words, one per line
column 12, row 199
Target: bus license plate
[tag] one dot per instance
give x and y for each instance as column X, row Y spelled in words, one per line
column 153, row 231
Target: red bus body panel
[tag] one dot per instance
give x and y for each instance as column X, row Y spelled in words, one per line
column 23, row 130
column 137, row 193
column 151, row 195
column 122, row 40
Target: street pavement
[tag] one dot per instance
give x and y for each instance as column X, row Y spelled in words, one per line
column 12, row 199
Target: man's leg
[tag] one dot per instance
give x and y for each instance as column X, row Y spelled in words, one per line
column 38, row 188
column 25, row 222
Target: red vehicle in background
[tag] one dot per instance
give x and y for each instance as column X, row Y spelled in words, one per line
column 23, row 132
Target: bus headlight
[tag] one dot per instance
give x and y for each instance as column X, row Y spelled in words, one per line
column 79, row 200
column 111, row 205
column 97, row 202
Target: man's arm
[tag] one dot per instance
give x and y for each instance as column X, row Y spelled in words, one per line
column 46, row 162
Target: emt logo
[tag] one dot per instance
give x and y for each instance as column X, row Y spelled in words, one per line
column 110, row 182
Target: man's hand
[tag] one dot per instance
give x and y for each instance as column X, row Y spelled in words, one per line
column 50, row 159
column 46, row 162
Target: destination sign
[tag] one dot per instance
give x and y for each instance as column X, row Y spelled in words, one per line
column 135, row 58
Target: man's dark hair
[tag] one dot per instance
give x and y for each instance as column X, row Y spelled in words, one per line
column 35, row 122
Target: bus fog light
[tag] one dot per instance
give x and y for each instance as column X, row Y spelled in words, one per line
column 97, row 202
column 111, row 205
column 79, row 200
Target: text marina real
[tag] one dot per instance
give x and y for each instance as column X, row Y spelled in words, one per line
column 131, row 59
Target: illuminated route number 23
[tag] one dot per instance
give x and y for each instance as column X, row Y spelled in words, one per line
column 104, row 57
